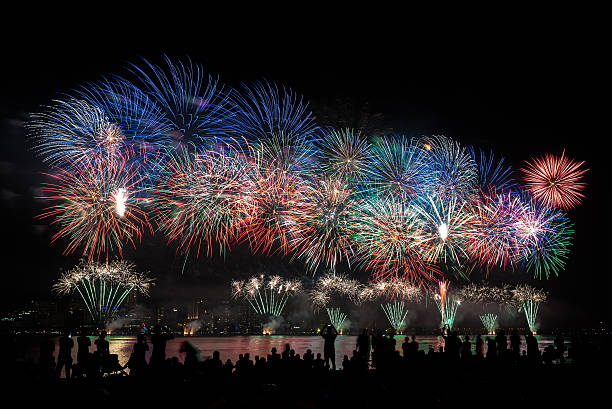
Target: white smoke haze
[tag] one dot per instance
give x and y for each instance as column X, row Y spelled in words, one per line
column 410, row 318
column 346, row 326
column 116, row 324
column 274, row 324
column 192, row 327
column 136, row 313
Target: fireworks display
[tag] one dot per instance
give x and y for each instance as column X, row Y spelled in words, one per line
column 202, row 200
column 195, row 108
column 486, row 294
column 447, row 304
column 337, row 318
column 322, row 235
column 387, row 239
column 266, row 295
column 173, row 151
column 103, row 286
column 528, row 299
column 336, row 285
column 396, row 313
column 345, row 155
column 489, row 321
column 555, row 181
column 96, row 206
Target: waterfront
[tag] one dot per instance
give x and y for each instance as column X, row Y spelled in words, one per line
column 231, row 347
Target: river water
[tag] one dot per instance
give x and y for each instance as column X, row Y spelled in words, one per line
column 230, row 347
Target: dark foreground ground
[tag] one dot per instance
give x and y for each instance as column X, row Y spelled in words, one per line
column 408, row 385
column 377, row 377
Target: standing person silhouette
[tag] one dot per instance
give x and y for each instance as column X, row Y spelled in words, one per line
column 83, row 343
column 64, row 356
column 329, row 349
column 363, row 345
column 140, row 352
column 102, row 345
column 533, row 351
column 159, row 340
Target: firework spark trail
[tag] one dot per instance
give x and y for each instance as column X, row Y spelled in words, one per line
column 447, row 304
column 450, row 169
column 277, row 200
column 396, row 314
column 448, row 310
column 337, row 318
column 486, row 294
column 203, row 199
column 555, row 181
column 277, row 124
column 528, row 299
column 195, row 106
column 103, row 287
column 444, row 224
column 489, row 321
column 252, row 165
column 96, row 206
column 266, row 295
column 493, row 173
column 397, row 171
column 387, row 236
column 345, row 155
column 389, row 289
column 490, row 235
column 332, row 284
column 544, row 238
column 101, row 119
column 321, row 235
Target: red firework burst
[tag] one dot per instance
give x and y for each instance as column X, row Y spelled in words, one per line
column 555, row 181
column 96, row 205
column 277, row 199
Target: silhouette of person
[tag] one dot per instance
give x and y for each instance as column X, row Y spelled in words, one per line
column 309, row 358
column 102, row 346
column 363, row 345
column 159, row 340
column 64, row 356
column 228, row 367
column 274, row 356
column 141, row 347
column 452, row 345
column 286, row 351
column 502, row 343
column 329, row 348
column 391, row 342
column 406, row 348
column 414, row 345
column 533, row 352
column 215, row 363
column 83, row 344
column 346, row 364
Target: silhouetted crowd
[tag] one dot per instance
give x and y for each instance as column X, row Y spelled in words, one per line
column 376, row 362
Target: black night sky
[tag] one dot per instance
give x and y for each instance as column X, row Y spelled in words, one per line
column 519, row 94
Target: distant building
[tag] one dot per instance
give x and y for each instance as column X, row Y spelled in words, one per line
column 249, row 322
